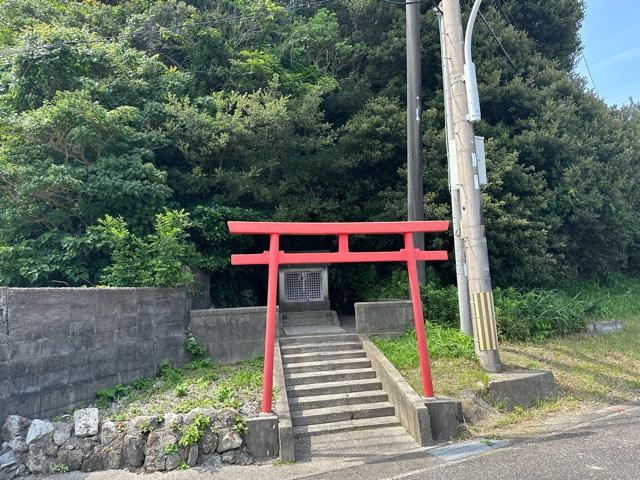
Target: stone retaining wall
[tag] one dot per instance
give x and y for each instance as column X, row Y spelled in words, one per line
column 58, row 346
column 147, row 443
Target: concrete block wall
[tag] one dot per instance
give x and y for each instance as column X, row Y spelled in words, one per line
column 385, row 318
column 231, row 334
column 58, row 346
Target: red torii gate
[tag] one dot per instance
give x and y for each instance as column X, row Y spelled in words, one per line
column 274, row 258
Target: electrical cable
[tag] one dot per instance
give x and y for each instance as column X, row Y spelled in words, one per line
column 498, row 41
column 505, row 13
column 586, row 64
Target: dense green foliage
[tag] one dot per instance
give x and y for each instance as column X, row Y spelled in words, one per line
column 154, row 261
column 532, row 314
column 257, row 109
column 526, row 314
column 539, row 313
column 196, row 350
column 616, row 297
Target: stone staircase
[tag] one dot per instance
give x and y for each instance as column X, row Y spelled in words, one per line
column 308, row 323
column 331, row 386
column 323, row 317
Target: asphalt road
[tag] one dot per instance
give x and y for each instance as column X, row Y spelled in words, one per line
column 603, row 445
column 599, row 445
column 606, row 448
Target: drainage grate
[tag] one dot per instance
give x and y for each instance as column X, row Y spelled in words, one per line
column 460, row 450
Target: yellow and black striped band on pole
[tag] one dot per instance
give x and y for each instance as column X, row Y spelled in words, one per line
column 484, row 318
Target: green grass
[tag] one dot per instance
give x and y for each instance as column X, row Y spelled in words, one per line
column 453, row 363
column 540, row 313
column 616, row 298
column 443, row 342
column 590, row 370
column 600, row 369
column 201, row 383
column 531, row 314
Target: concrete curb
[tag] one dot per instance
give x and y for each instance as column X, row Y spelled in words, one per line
column 262, row 438
column 604, row 327
column 410, row 407
column 285, row 428
column 522, row 388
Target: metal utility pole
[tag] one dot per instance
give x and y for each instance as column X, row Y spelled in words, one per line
column 415, row 187
column 464, row 307
column 473, row 231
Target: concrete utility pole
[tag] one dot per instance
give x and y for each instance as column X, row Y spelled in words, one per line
column 473, row 231
column 415, row 184
column 464, row 307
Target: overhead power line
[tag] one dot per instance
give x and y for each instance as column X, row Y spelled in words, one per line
column 586, row 64
column 505, row 13
column 498, row 41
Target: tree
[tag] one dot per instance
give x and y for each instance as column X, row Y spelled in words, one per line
column 294, row 111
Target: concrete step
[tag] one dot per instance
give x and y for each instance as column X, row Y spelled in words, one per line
column 312, row 330
column 341, row 413
column 315, row 339
column 330, row 376
column 308, row 321
column 319, row 356
column 317, row 313
column 318, row 347
column 308, row 318
column 347, row 386
column 328, row 365
column 333, row 400
column 333, row 427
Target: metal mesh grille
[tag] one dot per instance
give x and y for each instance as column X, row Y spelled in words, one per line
column 303, row 286
column 460, row 450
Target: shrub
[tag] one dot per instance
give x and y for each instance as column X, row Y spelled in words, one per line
column 171, row 376
column 195, row 349
column 58, row 468
column 226, row 397
column 181, row 391
column 156, row 260
column 539, row 313
column 440, row 303
column 105, row 396
column 164, row 368
column 520, row 315
column 142, row 384
column 171, row 448
column 240, row 425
